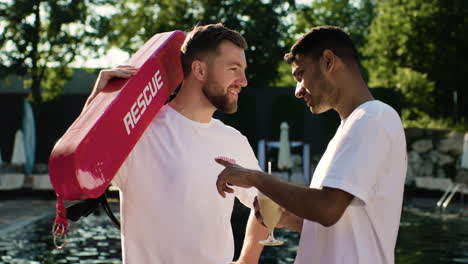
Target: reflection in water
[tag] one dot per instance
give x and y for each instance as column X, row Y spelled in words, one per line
column 431, row 239
column 94, row 240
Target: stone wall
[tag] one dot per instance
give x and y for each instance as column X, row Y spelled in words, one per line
column 433, row 153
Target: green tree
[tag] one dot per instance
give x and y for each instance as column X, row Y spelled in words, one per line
column 428, row 38
column 260, row 22
column 40, row 38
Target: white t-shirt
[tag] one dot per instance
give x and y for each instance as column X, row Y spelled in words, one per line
column 366, row 158
column 171, row 211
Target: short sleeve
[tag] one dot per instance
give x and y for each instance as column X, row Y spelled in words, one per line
column 249, row 161
column 359, row 158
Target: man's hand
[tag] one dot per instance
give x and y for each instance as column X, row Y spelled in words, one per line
column 290, row 221
column 287, row 220
column 123, row 71
column 233, row 174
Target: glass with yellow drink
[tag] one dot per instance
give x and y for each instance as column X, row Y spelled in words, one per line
column 271, row 215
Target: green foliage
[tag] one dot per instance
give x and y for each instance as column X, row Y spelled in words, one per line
column 286, row 79
column 423, row 37
column 260, row 22
column 417, row 91
column 415, row 87
column 414, row 118
column 394, row 36
column 40, row 38
column 56, row 78
column 138, row 20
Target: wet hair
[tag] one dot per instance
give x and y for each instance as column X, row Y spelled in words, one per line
column 321, row 38
column 205, row 39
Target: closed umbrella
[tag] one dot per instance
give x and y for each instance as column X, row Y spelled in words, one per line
column 29, row 135
column 18, row 157
column 464, row 162
column 284, row 153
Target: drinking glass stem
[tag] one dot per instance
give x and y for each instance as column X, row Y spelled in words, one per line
column 271, row 236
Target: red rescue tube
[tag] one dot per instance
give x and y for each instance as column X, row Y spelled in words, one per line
column 85, row 159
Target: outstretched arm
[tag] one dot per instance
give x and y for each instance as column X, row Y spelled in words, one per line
column 325, row 206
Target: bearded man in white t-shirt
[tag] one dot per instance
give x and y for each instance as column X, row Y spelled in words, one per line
column 170, row 211
column 351, row 211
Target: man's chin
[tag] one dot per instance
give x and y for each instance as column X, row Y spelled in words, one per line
column 313, row 110
column 230, row 110
column 317, row 110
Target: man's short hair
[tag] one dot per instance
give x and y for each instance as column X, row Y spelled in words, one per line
column 204, row 39
column 321, row 38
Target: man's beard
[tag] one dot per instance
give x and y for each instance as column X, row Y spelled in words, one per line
column 212, row 92
column 321, row 102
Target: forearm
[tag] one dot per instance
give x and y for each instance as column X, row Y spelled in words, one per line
column 88, row 101
column 94, row 92
column 251, row 249
column 319, row 205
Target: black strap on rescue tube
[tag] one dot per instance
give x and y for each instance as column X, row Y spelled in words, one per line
column 86, row 207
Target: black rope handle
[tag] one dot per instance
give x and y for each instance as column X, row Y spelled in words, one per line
column 86, row 207
column 107, row 209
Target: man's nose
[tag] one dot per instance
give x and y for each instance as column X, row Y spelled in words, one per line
column 299, row 91
column 243, row 80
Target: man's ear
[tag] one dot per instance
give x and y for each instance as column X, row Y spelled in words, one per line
column 329, row 60
column 199, row 70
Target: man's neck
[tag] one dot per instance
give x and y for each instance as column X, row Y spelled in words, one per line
column 193, row 104
column 352, row 96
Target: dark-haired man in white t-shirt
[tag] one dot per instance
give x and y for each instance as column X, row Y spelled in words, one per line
column 170, row 212
column 351, row 211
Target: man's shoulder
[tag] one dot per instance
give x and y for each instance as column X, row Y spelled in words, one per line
column 371, row 117
column 374, row 111
column 163, row 113
column 220, row 126
column 375, row 119
column 230, row 133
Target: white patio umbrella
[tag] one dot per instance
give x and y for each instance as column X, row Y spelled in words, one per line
column 284, row 153
column 18, row 157
column 464, row 162
column 29, row 137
